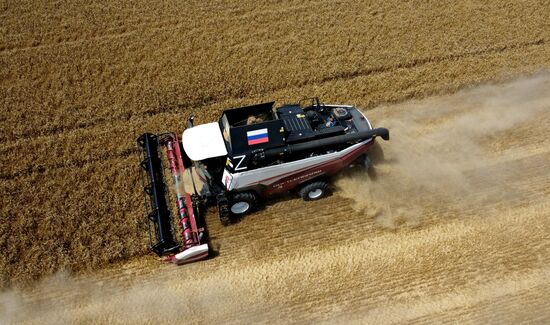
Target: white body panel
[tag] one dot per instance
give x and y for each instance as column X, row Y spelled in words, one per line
column 203, row 141
column 271, row 174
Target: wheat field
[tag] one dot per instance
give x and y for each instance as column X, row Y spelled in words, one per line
column 79, row 80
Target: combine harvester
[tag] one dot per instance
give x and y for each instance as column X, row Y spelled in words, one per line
column 251, row 153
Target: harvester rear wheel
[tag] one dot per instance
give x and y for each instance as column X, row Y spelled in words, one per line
column 314, row 191
column 375, row 153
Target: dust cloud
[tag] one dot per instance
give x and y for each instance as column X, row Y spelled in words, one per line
column 441, row 155
column 65, row 299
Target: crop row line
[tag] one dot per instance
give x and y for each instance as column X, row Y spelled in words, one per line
column 116, row 32
column 436, row 59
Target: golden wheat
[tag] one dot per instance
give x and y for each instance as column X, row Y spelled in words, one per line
column 79, row 81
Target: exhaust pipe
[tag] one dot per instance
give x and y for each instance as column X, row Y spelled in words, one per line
column 381, row 132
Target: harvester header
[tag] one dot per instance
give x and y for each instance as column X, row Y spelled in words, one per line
column 159, row 217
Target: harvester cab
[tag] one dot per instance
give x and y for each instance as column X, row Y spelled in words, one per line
column 250, row 153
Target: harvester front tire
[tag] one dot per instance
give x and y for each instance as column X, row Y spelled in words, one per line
column 242, row 204
column 314, row 191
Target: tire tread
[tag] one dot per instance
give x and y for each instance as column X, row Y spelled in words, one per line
column 313, row 186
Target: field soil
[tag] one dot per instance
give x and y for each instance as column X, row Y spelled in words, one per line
column 452, row 225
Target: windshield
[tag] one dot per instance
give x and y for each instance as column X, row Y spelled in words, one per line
column 224, row 126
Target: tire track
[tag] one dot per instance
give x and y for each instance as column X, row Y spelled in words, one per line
column 428, row 60
column 119, row 32
column 521, row 305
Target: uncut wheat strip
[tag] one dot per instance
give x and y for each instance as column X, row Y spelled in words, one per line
column 132, row 98
column 84, row 216
column 94, row 17
column 76, row 121
column 100, row 178
column 370, row 86
column 85, row 21
column 384, row 52
column 111, row 140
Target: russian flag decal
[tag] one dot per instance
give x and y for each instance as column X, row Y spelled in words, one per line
column 257, row 137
